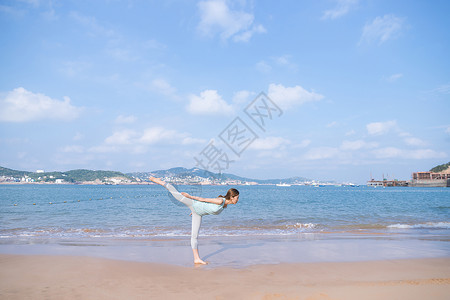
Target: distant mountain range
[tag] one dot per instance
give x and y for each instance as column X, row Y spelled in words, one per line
column 179, row 173
column 176, row 174
column 186, row 174
column 72, row 176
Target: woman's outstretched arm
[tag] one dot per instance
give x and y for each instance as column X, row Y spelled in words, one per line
column 217, row 201
column 157, row 180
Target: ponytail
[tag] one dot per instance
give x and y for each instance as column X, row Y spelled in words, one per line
column 230, row 193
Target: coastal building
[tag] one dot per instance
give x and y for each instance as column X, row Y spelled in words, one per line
column 431, row 179
column 441, row 178
column 26, row 179
column 384, row 183
column 374, row 183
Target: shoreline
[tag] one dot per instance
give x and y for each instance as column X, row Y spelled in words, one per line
column 239, row 252
column 74, row 277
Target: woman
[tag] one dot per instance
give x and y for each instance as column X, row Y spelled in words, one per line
column 200, row 207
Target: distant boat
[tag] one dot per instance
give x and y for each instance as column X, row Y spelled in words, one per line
column 283, row 184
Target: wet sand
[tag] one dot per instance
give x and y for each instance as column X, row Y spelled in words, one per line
column 240, row 252
column 75, row 277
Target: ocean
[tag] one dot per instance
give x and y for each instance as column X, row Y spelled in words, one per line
column 54, row 214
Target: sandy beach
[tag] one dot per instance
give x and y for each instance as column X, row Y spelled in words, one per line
column 75, row 277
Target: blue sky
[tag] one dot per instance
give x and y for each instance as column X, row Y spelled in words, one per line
column 362, row 87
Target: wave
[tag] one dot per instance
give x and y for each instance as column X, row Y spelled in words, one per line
column 428, row 225
column 270, row 227
column 150, row 232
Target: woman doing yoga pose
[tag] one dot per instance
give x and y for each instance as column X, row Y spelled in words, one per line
column 200, row 207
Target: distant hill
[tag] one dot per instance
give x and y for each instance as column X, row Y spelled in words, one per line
column 12, row 173
column 183, row 173
column 88, row 175
column 69, row 176
column 440, row 168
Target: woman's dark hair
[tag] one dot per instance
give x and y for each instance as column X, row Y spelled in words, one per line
column 231, row 193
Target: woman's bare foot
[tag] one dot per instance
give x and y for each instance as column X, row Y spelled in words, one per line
column 157, row 180
column 200, row 262
column 197, row 259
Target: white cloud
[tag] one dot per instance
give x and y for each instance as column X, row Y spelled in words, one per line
column 116, row 45
column 34, row 3
column 426, row 154
column 393, row 152
column 11, row 10
column 121, row 137
column 122, row 54
column 283, row 61
column 192, row 141
column 209, row 102
column 78, row 136
column 303, row 144
column 242, row 96
column 74, row 68
column 263, row 67
column 162, row 86
column 217, row 17
column 321, row 153
column 125, row 119
column 138, row 142
column 412, row 141
column 382, row 29
column 104, row 149
column 350, row 132
column 394, row 77
column 332, row 124
column 447, row 130
column 154, row 44
column 404, row 134
column 341, row 9
column 73, row 149
column 388, row 152
column 379, row 128
column 21, row 105
column 357, row 145
column 157, row 134
column 91, row 23
column 50, row 14
column 286, row 97
column 21, row 8
column 443, row 89
column 246, row 35
column 269, row 143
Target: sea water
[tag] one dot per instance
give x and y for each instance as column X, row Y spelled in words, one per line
column 55, row 211
column 46, row 214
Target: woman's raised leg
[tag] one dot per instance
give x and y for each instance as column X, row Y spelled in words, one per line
column 176, row 194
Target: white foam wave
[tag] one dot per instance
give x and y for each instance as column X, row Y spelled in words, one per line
column 428, row 225
column 302, row 226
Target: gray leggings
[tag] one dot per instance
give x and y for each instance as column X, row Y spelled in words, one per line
column 196, row 219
